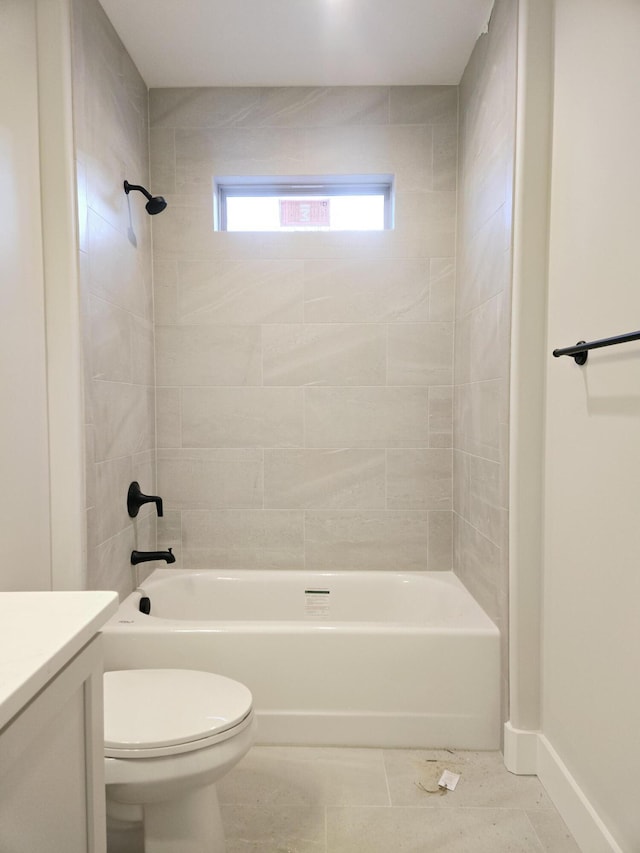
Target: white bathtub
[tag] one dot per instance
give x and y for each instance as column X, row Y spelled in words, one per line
column 332, row 658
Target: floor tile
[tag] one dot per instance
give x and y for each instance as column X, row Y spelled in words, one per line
column 307, row 776
column 552, row 832
column 126, row 838
column 269, row 829
column 429, row 830
column 484, row 781
column 336, row 800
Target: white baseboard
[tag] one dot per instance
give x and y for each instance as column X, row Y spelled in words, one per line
column 530, row 753
column 520, row 751
column 586, row 826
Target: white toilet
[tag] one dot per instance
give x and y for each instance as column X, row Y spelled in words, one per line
column 170, row 734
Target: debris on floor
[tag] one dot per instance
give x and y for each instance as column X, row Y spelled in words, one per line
column 436, row 790
column 449, row 780
column 438, row 776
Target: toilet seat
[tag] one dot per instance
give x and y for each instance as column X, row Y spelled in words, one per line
column 149, row 713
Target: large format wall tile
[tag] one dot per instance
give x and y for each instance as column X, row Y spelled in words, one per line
column 169, row 417
column 117, row 271
column 111, row 145
column 112, row 480
column 369, row 150
column 432, row 105
column 481, row 412
column 324, row 479
column 419, row 479
column 366, row 291
column 202, row 154
column 210, row 479
column 391, row 541
column 440, row 545
column 366, row 417
column 124, row 419
column 250, row 539
column 477, row 417
column 430, row 218
column 242, row 417
column 328, row 354
column 478, row 565
column 240, row 291
column 420, row 354
column 200, row 107
column 319, row 107
column 162, row 152
column 442, row 280
column 440, row 417
column 306, row 373
column 208, row 355
column 111, row 355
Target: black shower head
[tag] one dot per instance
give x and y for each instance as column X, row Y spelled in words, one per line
column 156, row 203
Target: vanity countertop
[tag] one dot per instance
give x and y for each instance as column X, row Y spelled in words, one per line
column 39, row 633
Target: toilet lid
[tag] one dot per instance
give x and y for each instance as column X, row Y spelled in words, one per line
column 153, row 708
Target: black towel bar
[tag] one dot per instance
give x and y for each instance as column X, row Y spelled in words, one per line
column 580, row 350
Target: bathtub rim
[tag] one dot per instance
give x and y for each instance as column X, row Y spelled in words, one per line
column 128, row 617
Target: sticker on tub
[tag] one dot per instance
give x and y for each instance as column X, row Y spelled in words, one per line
column 317, row 602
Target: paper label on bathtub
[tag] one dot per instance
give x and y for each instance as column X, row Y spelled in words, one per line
column 449, row 780
column 317, row 603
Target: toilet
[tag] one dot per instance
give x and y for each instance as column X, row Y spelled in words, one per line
column 169, row 735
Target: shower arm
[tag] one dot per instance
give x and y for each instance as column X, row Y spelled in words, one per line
column 128, row 187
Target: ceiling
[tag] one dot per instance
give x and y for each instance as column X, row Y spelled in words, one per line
column 299, row 42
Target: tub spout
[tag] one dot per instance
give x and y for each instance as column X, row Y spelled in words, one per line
column 147, row 556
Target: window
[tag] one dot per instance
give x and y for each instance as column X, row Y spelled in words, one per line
column 318, row 203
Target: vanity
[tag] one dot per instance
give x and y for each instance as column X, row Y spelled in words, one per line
column 51, row 731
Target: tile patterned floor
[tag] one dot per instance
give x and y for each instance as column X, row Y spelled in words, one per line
column 330, row 800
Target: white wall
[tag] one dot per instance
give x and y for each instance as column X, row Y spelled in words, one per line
column 24, row 470
column 591, row 624
column 529, row 355
column 41, row 450
column 62, row 307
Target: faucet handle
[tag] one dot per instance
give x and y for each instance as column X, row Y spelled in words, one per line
column 135, row 499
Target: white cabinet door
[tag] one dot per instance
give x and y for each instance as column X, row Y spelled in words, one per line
column 51, row 766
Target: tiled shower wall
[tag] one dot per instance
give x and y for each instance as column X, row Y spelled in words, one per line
column 304, row 381
column 111, row 142
column 483, row 311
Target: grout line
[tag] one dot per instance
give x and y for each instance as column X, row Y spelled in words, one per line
column 386, row 779
column 326, row 829
column 533, row 829
column 479, row 532
column 304, row 540
column 447, row 809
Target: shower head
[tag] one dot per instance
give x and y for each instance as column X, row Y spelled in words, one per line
column 156, row 203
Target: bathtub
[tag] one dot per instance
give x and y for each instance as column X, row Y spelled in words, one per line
column 380, row 659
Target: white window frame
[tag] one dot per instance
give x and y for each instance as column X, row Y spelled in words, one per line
column 296, row 185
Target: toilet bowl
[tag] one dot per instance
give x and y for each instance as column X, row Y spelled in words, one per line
column 170, row 734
